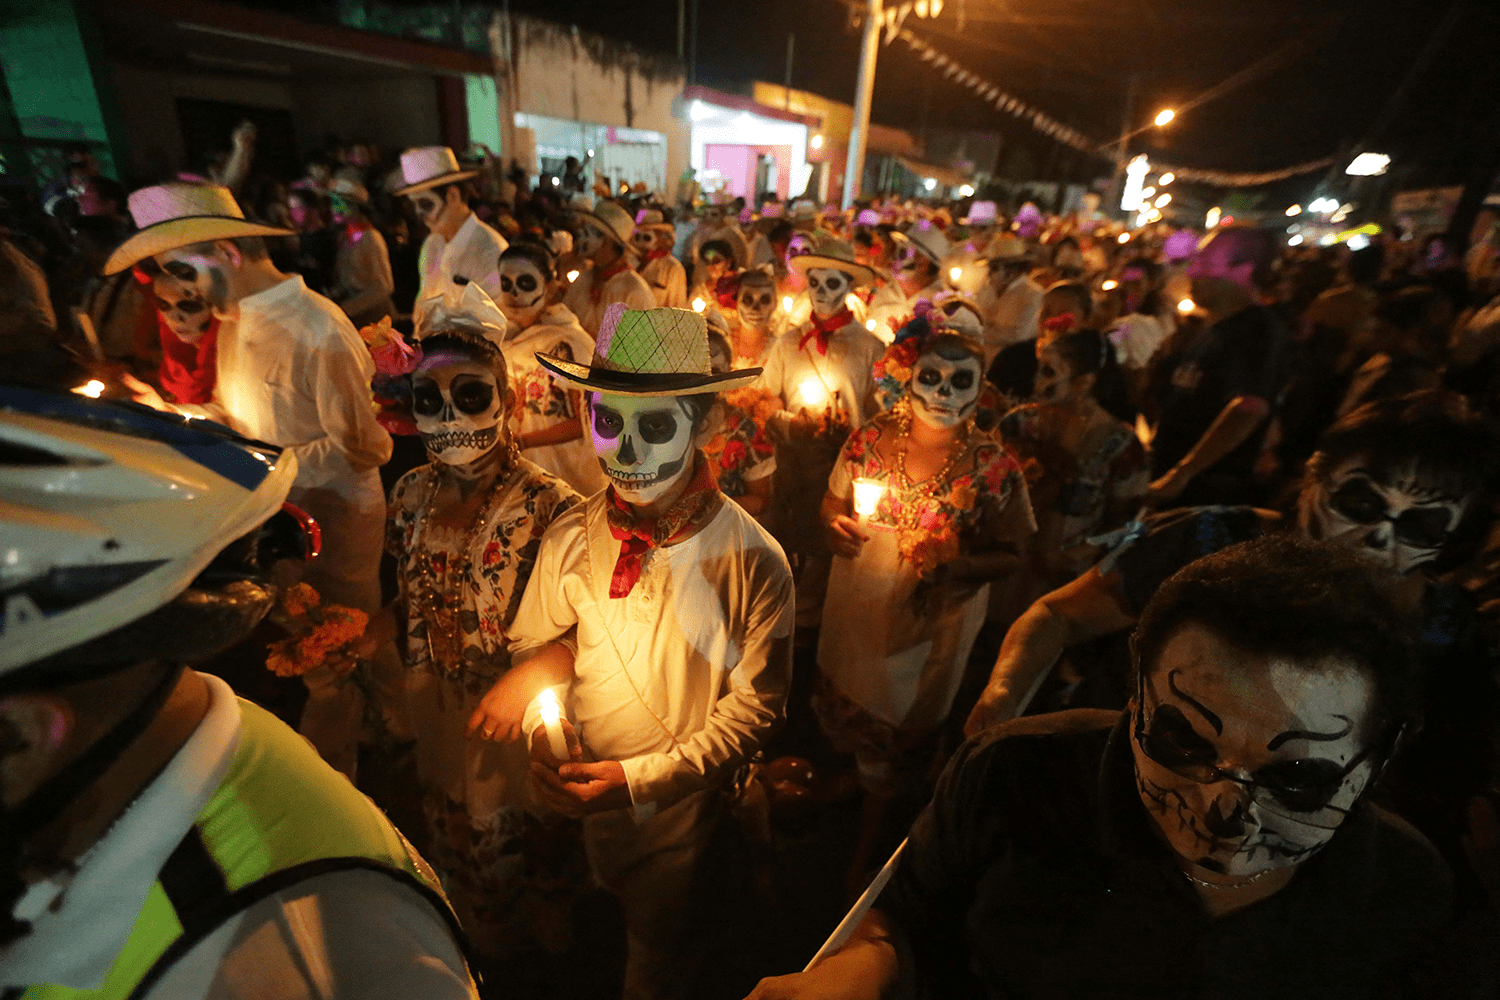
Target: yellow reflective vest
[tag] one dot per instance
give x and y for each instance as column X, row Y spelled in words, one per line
column 280, row 816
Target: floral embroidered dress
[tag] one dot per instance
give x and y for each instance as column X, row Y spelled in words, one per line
column 542, row 403
column 893, row 648
column 740, row 452
column 460, row 589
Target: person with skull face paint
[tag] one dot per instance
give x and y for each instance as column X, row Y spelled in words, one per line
column 1215, row 839
column 1406, row 483
column 464, row 531
column 362, row 279
column 459, row 248
column 548, row 416
column 715, row 223
column 292, row 370
column 909, row 587
column 758, row 315
column 653, row 240
column 603, row 241
column 189, row 338
column 821, row 370
column 665, row 613
column 161, row 837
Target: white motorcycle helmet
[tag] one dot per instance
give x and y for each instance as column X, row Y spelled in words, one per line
column 127, row 535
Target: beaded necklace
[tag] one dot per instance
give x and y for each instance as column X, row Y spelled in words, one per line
column 910, row 516
column 438, row 607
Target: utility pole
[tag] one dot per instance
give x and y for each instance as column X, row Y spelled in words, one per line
column 786, row 89
column 854, row 166
column 681, row 29
column 1122, row 151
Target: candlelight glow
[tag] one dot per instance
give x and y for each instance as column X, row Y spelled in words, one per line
column 786, row 303
column 699, row 305
column 93, row 389
column 1164, row 117
column 867, row 494
column 814, row 396
column 870, row 325
column 572, row 276
column 954, row 273
column 1123, row 238
column 1186, row 306
column 817, row 142
column 547, row 704
column 1110, row 285
column 1166, row 179
column 1164, row 201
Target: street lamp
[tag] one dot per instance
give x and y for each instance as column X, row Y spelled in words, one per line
column 1164, row 117
column 1166, row 179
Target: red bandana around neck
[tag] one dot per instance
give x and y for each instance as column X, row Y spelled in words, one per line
column 600, row 277
column 822, row 328
column 637, row 534
column 1062, row 321
column 657, row 254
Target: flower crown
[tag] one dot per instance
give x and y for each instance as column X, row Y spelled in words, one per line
column 893, row 372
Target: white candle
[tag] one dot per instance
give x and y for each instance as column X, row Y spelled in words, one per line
column 551, row 711
column 814, row 396
column 867, row 494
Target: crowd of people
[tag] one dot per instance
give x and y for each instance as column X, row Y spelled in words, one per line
column 1147, row 581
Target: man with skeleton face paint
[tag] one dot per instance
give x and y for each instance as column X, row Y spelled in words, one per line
column 603, row 241
column 459, row 248
column 681, row 607
column 189, row 334
column 652, row 242
column 1212, row 840
column 821, row 370
column 758, row 313
column 291, row 370
column 548, row 415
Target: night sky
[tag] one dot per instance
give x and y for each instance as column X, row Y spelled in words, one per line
column 1314, row 76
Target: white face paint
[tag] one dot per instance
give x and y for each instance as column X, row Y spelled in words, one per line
column 458, row 408
column 523, row 291
column 945, row 393
column 644, row 444
column 756, row 303
column 827, row 286
column 1247, row 764
column 183, row 309
column 202, row 274
column 1403, row 525
column 589, row 240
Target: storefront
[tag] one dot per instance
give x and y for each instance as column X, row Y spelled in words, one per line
column 745, row 149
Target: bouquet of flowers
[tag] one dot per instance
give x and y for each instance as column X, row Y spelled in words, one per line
column 394, row 360
column 315, row 632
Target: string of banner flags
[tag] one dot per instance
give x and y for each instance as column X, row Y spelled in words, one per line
column 1069, row 136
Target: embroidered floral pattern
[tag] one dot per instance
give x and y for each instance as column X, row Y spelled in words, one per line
column 741, row 444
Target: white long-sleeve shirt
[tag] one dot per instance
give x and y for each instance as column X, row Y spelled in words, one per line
column 474, row 255
column 292, row 371
column 1010, row 317
column 682, row 679
column 627, row 286
column 802, row 376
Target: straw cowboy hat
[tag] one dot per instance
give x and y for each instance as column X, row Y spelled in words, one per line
column 1007, row 249
column 428, row 167
column 650, row 218
column 930, row 241
column 180, row 214
column 350, row 189
column 611, row 220
column 826, row 250
column 649, row 352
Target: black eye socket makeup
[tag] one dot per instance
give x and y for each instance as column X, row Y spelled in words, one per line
column 180, row 270
column 658, row 428
column 1422, row 527
column 426, row 398
column 929, row 376
column 607, row 423
column 471, row 394
column 188, row 307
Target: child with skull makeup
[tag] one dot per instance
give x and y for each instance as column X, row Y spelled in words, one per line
column 664, row 613
column 547, row 416
column 464, row 531
column 909, row 585
column 821, row 370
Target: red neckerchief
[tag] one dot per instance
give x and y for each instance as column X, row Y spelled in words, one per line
column 657, row 254
column 821, row 328
column 637, row 535
column 355, row 231
column 1061, row 321
column 600, row 277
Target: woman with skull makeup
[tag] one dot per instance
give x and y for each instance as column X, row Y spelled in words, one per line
column 547, row 416
column 464, row 531
column 909, row 587
column 1087, row 471
column 758, row 315
column 1214, row 839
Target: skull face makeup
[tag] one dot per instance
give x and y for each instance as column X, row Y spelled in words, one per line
column 458, row 408
column 1054, row 382
column 1403, row 524
column 945, row 392
column 440, row 211
column 589, row 241
column 523, row 291
column 644, row 444
column 757, row 300
column 184, row 310
column 199, row 274
column 1246, row 762
column 828, row 286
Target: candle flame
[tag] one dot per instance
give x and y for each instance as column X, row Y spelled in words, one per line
column 954, row 273
column 572, row 276
column 699, row 305
column 547, row 704
column 1110, row 285
column 1186, row 306
column 812, row 392
column 786, row 303
column 93, row 389
column 867, row 494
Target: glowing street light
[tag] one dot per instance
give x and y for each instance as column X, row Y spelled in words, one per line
column 1163, row 201
column 1368, row 165
column 1293, row 210
column 929, row 183
column 1164, row 117
column 1166, row 179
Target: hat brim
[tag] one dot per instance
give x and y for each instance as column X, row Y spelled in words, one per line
column 432, row 182
column 645, row 384
column 802, row 262
column 176, row 233
column 589, row 218
column 656, row 227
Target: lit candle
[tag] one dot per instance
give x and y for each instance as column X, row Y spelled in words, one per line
column 814, row 396
column 786, row 303
column 551, row 711
column 870, row 325
column 93, row 389
column 1110, row 285
column 867, row 494
column 954, row 273
column 1186, row 306
column 699, row 305
column 572, row 276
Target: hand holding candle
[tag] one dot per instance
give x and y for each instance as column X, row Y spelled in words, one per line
column 867, row 494
column 551, row 710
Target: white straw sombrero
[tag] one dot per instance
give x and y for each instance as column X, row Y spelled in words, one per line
column 611, row 220
column 180, row 214
column 429, row 166
column 649, row 352
column 830, row 251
